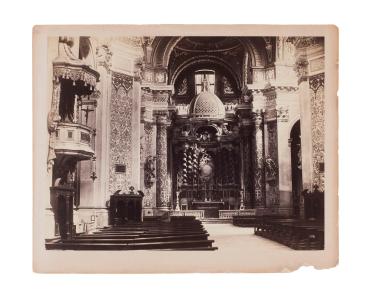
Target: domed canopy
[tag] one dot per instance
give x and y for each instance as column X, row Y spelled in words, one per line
column 206, row 105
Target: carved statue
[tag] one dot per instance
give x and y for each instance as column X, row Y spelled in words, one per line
column 226, row 129
column 247, row 95
column 139, row 69
column 149, row 171
column 183, row 89
column 53, row 120
column 204, row 136
column 227, row 86
column 300, row 67
column 185, row 132
column 271, row 168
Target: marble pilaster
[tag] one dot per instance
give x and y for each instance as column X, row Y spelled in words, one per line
column 247, row 173
column 258, row 161
column 163, row 196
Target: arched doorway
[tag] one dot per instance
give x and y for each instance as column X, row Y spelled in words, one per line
column 296, row 161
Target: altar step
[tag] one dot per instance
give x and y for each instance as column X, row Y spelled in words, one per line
column 192, row 244
column 217, row 220
column 181, row 233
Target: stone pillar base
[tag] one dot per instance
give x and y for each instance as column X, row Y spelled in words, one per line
column 160, row 211
column 148, row 212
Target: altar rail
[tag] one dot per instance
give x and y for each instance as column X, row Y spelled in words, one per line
column 228, row 214
column 199, row 214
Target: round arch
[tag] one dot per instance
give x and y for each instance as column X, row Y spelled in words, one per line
column 293, row 122
column 163, row 46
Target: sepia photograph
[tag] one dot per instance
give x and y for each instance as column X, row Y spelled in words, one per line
column 170, row 149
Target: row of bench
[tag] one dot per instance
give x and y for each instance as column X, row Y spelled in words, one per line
column 297, row 234
column 294, row 233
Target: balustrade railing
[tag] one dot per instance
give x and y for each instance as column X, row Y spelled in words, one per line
column 228, row 214
column 183, row 109
column 199, row 214
column 209, row 194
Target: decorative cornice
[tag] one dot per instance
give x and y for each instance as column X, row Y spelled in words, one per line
column 316, row 81
column 155, row 88
column 120, row 79
column 304, row 42
column 271, row 88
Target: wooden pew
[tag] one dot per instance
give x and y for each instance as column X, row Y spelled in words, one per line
column 294, row 233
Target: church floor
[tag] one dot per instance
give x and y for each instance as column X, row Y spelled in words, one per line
column 238, row 250
column 229, row 238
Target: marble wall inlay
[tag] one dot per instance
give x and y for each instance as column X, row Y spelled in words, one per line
column 318, row 126
column 121, row 131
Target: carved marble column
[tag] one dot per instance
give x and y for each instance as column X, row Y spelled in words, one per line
column 258, row 161
column 247, row 173
column 272, row 165
column 163, row 196
column 149, row 165
column 316, row 83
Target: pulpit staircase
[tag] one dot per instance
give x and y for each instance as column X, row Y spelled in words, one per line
column 180, row 233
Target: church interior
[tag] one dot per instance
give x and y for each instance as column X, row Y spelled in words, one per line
column 151, row 139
